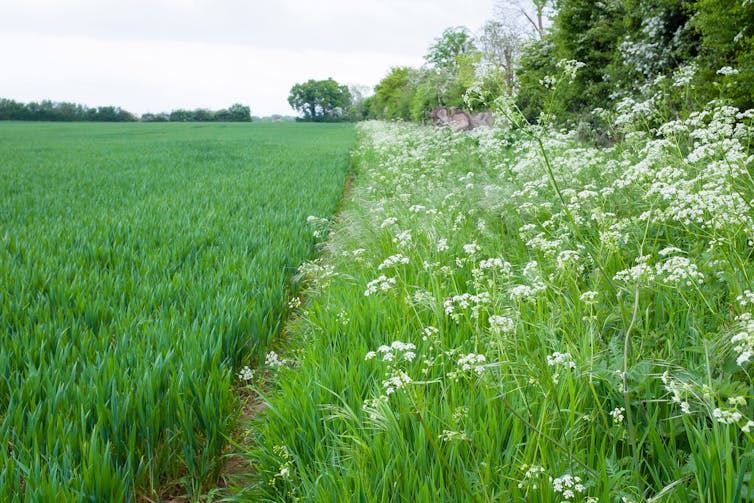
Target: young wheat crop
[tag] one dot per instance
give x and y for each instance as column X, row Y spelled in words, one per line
column 140, row 267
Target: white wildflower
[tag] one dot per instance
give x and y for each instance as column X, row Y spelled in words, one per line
column 393, row 260
column 727, row 416
column 617, row 415
column 382, row 283
column 727, row 70
column 272, row 360
column 403, row 239
column 501, row 324
column 387, row 222
column 561, row 359
column 568, row 485
column 294, row 303
column 396, row 382
column 471, row 248
column 246, row 374
column 743, row 341
column 589, row 297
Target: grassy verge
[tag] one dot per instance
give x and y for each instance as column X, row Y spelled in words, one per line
column 511, row 315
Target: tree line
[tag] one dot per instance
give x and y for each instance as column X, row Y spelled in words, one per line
column 687, row 51
column 72, row 112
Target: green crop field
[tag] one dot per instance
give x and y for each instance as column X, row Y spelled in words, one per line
column 140, row 267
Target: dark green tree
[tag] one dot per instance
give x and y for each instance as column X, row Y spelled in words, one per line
column 320, row 100
column 239, row 113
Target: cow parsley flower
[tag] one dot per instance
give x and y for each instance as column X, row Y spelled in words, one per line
column 679, row 270
column 568, row 485
column 727, row 416
column 617, row 415
column 388, row 221
column 501, row 324
column 395, row 382
column 727, row 70
column 641, row 272
column 393, row 260
column 589, row 297
column 532, row 474
column 745, row 298
column 453, row 305
column 471, row 248
column 471, row 362
column 273, row 361
column 743, row 341
column 561, row 359
column 382, row 284
column 403, row 239
column 246, row 374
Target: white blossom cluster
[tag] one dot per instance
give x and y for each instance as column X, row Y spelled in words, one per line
column 381, row 284
column 246, row 374
column 501, row 324
column 273, row 360
column 396, row 350
column 455, row 305
column 746, row 298
column 468, row 364
column 743, row 340
column 526, row 293
column 568, row 485
column 679, row 391
column 557, row 359
column 496, row 264
column 398, row 380
column 532, row 475
column 403, row 239
column 618, row 414
column 393, row 260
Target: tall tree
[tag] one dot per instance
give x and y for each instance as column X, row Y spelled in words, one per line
column 320, row 100
column 239, row 113
column 500, row 44
column 449, row 47
column 392, row 96
column 534, row 14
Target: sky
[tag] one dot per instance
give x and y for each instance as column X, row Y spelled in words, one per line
column 160, row 55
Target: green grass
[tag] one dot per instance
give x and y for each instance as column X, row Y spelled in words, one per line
column 600, row 368
column 140, row 266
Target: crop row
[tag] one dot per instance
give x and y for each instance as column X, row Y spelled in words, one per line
column 140, row 266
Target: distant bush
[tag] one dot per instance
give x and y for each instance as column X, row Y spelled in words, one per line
column 63, row 111
column 47, row 110
column 234, row 113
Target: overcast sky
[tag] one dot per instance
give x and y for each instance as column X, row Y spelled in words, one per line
column 159, row 55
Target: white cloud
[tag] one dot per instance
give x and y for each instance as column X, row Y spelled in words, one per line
column 156, row 55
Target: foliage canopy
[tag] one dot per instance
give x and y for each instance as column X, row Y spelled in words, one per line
column 320, row 100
